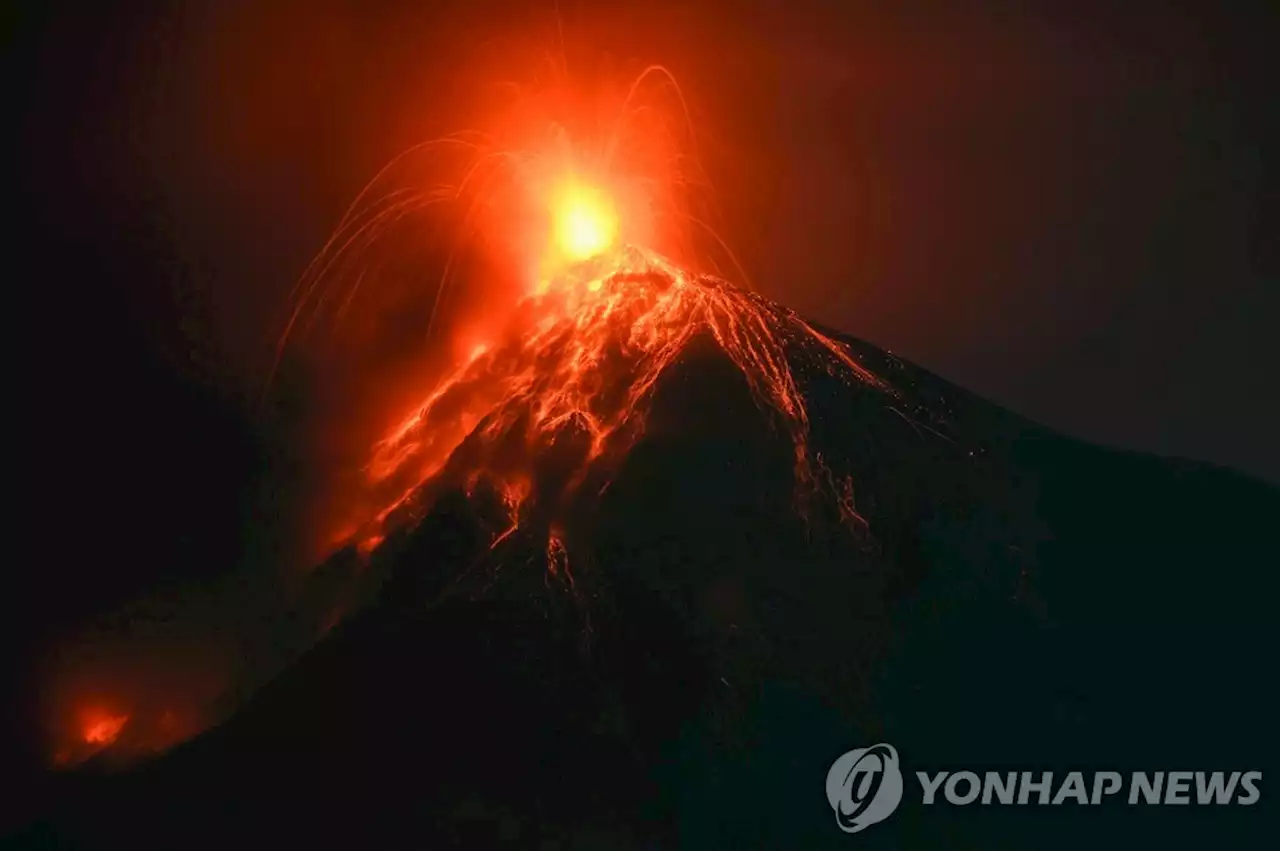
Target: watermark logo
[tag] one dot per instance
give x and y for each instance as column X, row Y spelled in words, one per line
column 864, row 787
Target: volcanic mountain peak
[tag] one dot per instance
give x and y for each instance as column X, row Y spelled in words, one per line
column 573, row 374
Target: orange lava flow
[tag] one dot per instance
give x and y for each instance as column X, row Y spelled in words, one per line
column 582, row 357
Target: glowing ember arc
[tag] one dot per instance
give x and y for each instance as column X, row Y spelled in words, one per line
column 529, row 187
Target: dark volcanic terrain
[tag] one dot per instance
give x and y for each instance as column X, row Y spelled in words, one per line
column 1015, row 600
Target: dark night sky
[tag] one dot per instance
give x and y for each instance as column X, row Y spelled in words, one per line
column 1061, row 211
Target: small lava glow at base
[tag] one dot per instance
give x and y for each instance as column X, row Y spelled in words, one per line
column 102, row 729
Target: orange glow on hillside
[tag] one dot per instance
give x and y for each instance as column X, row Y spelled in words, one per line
column 101, row 728
column 117, row 699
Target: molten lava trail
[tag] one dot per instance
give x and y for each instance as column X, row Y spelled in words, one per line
column 580, row 360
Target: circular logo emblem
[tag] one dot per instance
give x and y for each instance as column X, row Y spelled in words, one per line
column 864, row 786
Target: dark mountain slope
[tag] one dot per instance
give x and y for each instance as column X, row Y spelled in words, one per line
column 1015, row 600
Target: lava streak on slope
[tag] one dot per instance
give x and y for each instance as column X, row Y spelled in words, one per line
column 572, row 376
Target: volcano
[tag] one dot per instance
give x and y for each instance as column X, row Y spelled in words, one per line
column 638, row 570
